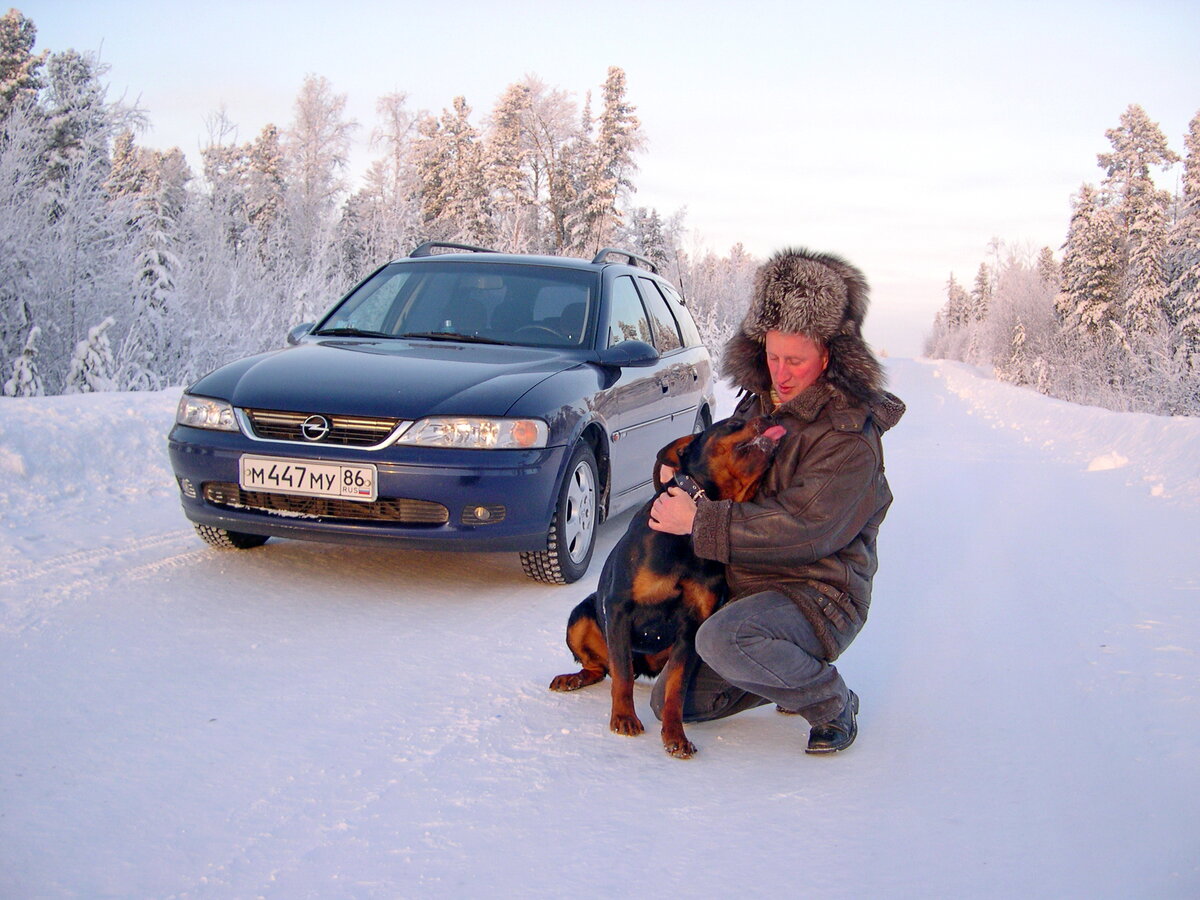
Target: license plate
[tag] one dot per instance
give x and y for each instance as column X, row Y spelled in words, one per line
column 342, row 481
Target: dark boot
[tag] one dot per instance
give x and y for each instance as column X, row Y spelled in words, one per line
column 837, row 734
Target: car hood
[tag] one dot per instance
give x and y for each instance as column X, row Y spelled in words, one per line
column 404, row 379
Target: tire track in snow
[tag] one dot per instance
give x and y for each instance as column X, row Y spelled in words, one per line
column 28, row 591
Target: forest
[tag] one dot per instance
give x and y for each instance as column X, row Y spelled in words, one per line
column 1114, row 321
column 121, row 268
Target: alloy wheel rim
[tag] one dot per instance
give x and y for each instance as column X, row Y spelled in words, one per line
column 580, row 517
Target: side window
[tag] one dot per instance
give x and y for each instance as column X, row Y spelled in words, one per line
column 666, row 332
column 628, row 319
column 687, row 325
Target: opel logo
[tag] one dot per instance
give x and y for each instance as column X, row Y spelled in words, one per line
column 315, row 428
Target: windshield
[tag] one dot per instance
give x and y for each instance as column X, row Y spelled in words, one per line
column 540, row 306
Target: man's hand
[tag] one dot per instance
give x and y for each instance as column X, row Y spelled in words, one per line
column 673, row 512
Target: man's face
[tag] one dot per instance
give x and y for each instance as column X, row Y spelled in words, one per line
column 795, row 362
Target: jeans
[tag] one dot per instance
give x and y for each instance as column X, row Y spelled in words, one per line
column 757, row 650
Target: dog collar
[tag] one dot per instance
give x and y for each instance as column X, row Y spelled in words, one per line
column 690, row 487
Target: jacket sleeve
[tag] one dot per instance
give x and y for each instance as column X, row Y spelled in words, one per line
column 825, row 506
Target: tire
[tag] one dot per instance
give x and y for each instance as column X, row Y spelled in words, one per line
column 228, row 540
column 572, row 535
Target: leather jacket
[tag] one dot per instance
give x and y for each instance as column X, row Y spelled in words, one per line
column 810, row 531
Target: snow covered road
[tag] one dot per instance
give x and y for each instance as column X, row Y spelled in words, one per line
column 307, row 720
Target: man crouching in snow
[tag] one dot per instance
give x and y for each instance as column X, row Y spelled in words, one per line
column 800, row 556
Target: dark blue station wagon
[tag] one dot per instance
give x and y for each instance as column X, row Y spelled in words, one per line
column 452, row 401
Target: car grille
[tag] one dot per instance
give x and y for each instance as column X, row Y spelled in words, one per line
column 345, row 431
column 385, row 509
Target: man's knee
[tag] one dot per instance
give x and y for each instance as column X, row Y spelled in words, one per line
column 713, row 640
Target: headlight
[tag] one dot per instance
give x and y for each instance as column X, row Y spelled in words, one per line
column 478, row 434
column 204, row 412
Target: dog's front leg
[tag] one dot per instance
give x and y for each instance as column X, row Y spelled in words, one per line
column 624, row 718
column 675, row 742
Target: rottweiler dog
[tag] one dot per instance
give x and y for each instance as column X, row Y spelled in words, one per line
column 654, row 591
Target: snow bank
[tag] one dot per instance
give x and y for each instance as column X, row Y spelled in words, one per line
column 1160, row 454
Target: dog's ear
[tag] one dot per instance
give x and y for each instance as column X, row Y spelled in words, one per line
column 670, row 455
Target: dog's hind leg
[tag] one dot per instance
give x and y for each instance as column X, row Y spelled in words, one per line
column 585, row 638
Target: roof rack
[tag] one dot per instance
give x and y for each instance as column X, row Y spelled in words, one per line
column 632, row 258
column 427, row 248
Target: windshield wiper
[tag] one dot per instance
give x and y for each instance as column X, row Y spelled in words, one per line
column 352, row 332
column 450, row 336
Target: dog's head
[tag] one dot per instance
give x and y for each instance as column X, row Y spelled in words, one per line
column 727, row 459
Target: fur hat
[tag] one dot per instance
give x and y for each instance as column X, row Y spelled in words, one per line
column 816, row 294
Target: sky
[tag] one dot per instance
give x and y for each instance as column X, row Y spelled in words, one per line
column 903, row 137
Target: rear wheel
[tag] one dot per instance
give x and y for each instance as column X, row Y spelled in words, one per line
column 228, row 540
column 572, row 535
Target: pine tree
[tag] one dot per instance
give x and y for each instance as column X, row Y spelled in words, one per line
column 25, row 380
column 20, row 76
column 1183, row 267
column 645, row 234
column 981, row 294
column 609, row 167
column 1140, row 212
column 92, row 365
column 454, row 199
column 1016, row 368
column 1088, row 304
column 958, row 305
column 265, row 183
column 1048, row 269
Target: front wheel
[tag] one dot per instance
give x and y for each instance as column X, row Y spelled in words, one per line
column 572, row 535
column 228, row 540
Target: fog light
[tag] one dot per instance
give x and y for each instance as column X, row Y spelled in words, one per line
column 483, row 515
column 189, row 489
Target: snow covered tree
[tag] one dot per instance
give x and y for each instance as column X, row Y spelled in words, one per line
column 76, row 269
column 1140, row 213
column 19, row 68
column 609, row 167
column 1048, row 269
column 645, row 234
column 505, row 151
column 981, row 294
column 1091, row 269
column 152, row 188
column 454, row 192
column 265, row 183
column 318, row 149
column 25, row 380
column 92, row 364
column 1183, row 254
column 1016, row 368
column 384, row 214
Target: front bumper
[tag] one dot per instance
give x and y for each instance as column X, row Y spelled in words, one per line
column 517, row 489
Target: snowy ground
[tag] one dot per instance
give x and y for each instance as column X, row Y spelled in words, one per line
column 306, row 720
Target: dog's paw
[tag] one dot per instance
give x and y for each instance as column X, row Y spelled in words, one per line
column 630, row 726
column 567, row 682
column 575, row 680
column 680, row 749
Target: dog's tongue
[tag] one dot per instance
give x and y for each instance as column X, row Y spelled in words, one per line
column 774, row 433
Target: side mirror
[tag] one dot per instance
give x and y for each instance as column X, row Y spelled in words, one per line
column 293, row 336
column 628, row 353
